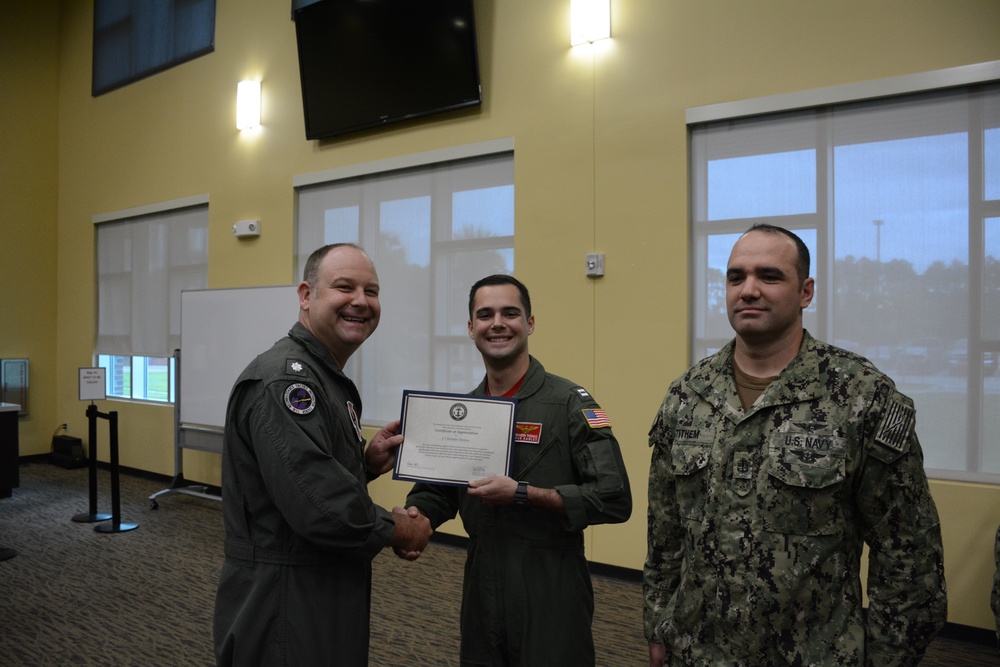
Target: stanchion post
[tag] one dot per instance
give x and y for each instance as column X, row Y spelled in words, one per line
column 93, row 515
column 116, row 525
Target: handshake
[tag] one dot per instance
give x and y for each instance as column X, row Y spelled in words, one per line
column 412, row 533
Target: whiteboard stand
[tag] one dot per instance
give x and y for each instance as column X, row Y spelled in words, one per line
column 188, row 437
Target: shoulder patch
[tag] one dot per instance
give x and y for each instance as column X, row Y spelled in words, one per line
column 582, row 392
column 897, row 425
column 300, row 399
column 596, row 418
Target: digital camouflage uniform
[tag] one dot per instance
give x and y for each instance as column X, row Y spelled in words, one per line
column 527, row 598
column 301, row 530
column 757, row 519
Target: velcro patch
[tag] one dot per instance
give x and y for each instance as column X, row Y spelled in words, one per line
column 596, row 418
column 300, row 399
column 897, row 424
column 528, row 433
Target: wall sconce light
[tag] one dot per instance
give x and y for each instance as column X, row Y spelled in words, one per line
column 590, row 20
column 247, row 104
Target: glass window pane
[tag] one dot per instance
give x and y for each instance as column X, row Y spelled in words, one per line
column 762, row 185
column 992, row 171
column 991, row 280
column 405, row 231
column 117, row 376
column 133, row 40
column 157, row 378
column 483, row 213
column 991, row 141
column 341, row 225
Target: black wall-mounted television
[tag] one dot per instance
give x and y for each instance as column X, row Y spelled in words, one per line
column 366, row 63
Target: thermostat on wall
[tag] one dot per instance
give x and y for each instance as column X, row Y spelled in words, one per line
column 246, row 228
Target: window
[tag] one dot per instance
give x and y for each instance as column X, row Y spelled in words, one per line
column 142, row 378
column 134, row 39
column 898, row 200
column 144, row 261
column 432, row 231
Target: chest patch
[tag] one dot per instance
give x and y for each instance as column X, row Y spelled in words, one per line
column 528, row 433
column 300, row 399
column 819, row 449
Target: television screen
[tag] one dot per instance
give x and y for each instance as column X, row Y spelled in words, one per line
column 366, row 63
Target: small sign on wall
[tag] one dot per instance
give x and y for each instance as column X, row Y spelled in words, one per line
column 14, row 374
column 92, row 384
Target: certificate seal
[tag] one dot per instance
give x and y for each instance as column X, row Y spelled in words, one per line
column 458, row 411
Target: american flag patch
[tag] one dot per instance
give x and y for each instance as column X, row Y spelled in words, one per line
column 596, row 418
column 894, row 431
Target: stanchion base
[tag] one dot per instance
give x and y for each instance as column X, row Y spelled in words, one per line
column 116, row 527
column 91, row 518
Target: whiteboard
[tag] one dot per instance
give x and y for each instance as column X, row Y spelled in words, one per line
column 222, row 330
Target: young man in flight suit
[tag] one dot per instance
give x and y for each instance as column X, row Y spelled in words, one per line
column 527, row 596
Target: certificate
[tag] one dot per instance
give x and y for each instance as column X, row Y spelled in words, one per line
column 454, row 438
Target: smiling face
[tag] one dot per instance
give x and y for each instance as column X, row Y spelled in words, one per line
column 341, row 308
column 765, row 295
column 499, row 326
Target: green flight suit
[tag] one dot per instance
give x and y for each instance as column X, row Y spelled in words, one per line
column 527, row 596
column 301, row 529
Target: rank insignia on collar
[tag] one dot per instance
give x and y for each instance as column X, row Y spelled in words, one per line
column 300, row 399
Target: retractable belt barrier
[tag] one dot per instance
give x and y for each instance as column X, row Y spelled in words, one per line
column 93, row 516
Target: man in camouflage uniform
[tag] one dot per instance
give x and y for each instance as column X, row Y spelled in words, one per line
column 773, row 462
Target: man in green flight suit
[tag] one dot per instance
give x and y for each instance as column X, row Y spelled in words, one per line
column 301, row 529
column 527, row 596
column 773, row 462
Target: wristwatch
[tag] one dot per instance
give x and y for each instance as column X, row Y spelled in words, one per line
column 521, row 497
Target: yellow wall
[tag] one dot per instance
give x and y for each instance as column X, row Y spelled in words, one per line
column 29, row 151
column 600, row 165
